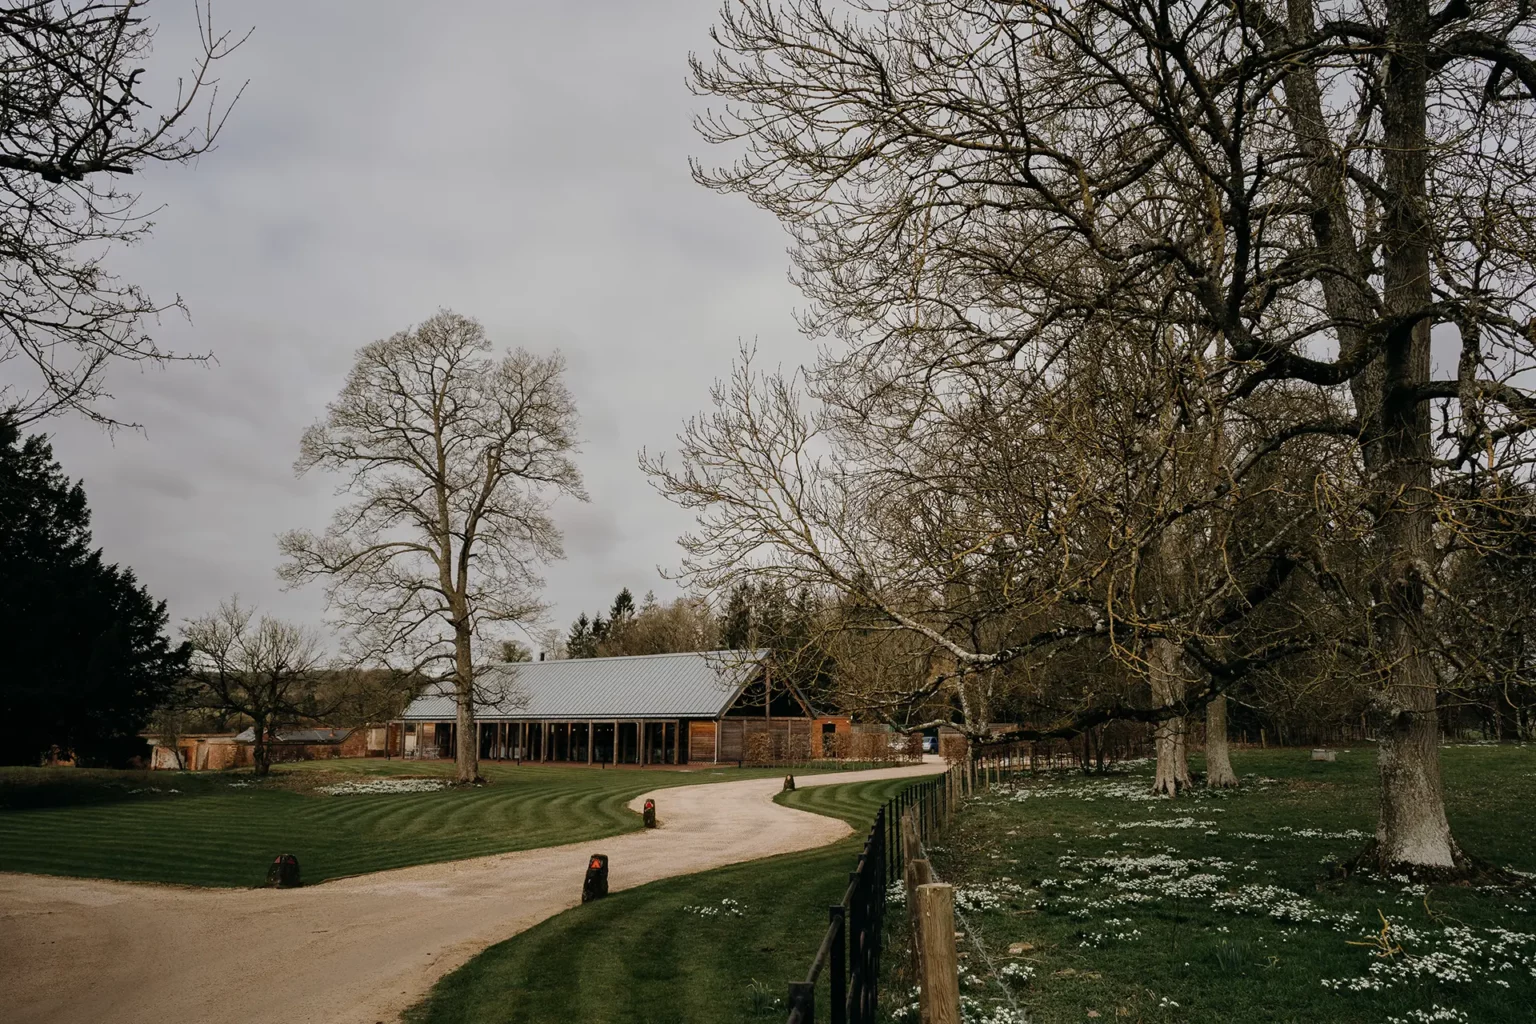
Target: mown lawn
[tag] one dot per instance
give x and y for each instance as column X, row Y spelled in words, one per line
column 222, row 829
column 717, row 947
column 1083, row 900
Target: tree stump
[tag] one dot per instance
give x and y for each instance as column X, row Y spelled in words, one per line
column 283, row 872
column 596, row 885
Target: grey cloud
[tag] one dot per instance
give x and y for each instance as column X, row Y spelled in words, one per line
column 522, row 163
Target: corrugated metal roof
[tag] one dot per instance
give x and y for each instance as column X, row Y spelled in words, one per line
column 298, row 735
column 698, row 684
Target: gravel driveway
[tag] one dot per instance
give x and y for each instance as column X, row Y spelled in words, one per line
column 355, row 950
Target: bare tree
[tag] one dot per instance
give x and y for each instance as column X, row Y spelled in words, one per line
column 1006, row 525
column 452, row 459
column 168, row 726
column 359, row 696
column 980, row 184
column 265, row 669
column 73, row 121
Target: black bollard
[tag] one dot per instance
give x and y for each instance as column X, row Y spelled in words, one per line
column 283, row 872
column 789, row 783
column 596, row 885
column 649, row 814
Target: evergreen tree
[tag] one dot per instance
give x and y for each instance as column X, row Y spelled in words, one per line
column 767, row 617
column 622, row 613
column 580, row 643
column 736, row 620
column 87, row 655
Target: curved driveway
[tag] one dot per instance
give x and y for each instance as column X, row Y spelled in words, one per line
column 357, row 950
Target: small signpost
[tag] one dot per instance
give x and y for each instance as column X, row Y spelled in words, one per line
column 596, row 885
column 283, row 872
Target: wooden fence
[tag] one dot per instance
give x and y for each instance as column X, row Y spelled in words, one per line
column 850, row 948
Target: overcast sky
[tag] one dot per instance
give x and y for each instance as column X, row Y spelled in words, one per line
column 521, row 163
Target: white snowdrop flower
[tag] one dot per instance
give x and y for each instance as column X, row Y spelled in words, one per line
column 362, row 787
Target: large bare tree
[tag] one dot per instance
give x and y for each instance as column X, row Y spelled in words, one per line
column 451, row 458
column 996, row 541
column 74, row 122
column 1297, row 196
column 264, row 669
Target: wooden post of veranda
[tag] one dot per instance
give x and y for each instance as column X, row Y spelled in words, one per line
column 940, row 971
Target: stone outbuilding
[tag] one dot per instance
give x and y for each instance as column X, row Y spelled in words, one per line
column 217, row 751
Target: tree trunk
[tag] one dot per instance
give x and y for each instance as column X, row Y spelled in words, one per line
column 1168, row 737
column 1412, row 833
column 468, row 749
column 260, row 755
column 1412, row 830
column 1218, row 761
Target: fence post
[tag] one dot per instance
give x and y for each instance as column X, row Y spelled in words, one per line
column 802, row 1001
column 860, row 935
column 838, row 983
column 940, row 973
column 911, row 842
column 919, row 873
column 890, row 853
column 876, row 923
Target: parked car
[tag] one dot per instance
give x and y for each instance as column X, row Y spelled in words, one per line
column 930, row 744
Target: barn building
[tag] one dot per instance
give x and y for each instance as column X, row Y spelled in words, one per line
column 218, row 751
column 698, row 707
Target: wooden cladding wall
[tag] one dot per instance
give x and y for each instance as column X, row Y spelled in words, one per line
column 760, row 741
column 701, row 741
column 730, row 740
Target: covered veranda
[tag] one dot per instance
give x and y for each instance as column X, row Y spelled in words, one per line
column 615, row 741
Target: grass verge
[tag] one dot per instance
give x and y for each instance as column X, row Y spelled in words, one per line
column 222, row 828
column 712, row 948
column 1084, row 900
